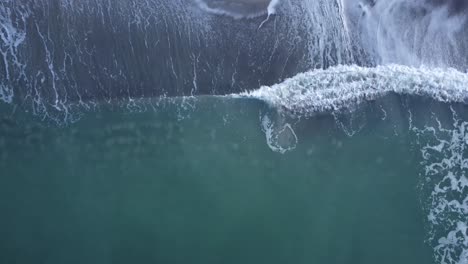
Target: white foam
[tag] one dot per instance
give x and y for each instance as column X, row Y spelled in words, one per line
column 329, row 38
column 343, row 87
column 414, row 32
column 446, row 166
column 6, row 94
column 12, row 35
column 280, row 135
column 271, row 9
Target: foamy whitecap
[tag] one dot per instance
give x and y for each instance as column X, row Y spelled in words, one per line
column 343, row 87
column 444, row 159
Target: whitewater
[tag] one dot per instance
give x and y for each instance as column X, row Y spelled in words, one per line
column 320, row 57
column 426, row 68
column 343, row 88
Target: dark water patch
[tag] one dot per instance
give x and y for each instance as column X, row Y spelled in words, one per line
column 58, row 52
column 97, row 50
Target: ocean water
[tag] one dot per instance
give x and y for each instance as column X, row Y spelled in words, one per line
column 150, row 187
column 233, row 131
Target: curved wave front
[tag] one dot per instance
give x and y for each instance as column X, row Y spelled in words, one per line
column 441, row 145
column 344, row 87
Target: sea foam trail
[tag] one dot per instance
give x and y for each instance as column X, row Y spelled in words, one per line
column 445, row 167
column 239, row 9
column 343, row 87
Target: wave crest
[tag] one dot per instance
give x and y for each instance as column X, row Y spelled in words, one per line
column 344, row 87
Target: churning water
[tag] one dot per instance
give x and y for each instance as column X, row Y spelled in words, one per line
column 234, row 131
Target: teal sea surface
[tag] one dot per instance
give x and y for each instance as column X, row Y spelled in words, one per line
column 231, row 180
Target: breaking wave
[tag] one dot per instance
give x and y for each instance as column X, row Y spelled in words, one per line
column 345, row 87
column 442, row 148
column 127, row 51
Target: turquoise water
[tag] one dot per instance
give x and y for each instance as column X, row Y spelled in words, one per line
column 204, row 186
column 233, row 131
